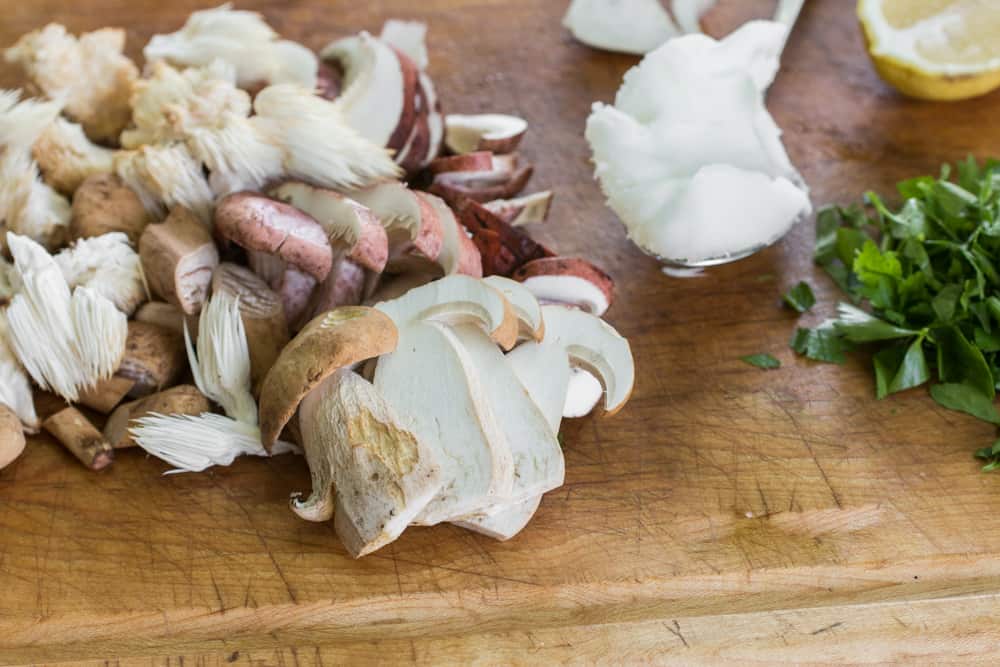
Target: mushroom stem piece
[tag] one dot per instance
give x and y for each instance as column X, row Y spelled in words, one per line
column 75, row 432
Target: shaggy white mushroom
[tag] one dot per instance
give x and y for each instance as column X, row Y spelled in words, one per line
column 67, row 341
column 67, row 157
column 28, row 206
column 15, row 388
column 166, row 176
column 202, row 107
column 89, row 74
column 688, row 124
column 108, row 265
column 319, row 146
column 628, row 26
column 241, row 38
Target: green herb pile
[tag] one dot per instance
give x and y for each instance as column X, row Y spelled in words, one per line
column 924, row 280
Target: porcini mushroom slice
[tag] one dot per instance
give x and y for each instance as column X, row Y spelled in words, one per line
column 458, row 253
column 495, row 132
column 522, row 210
column 255, row 222
column 526, row 306
column 538, row 458
column 583, row 395
column 457, row 300
column 178, row 258
column 405, row 216
column 595, row 346
column 261, row 311
column 355, row 443
column 543, row 368
column 345, row 221
column 336, row 339
column 435, row 119
column 475, row 161
column 569, row 280
column 475, row 458
column 504, row 524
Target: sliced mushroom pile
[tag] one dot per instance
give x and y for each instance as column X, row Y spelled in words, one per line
column 251, row 249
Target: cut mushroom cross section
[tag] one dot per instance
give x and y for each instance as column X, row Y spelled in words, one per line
column 458, row 253
column 537, row 456
column 354, row 442
column 457, row 300
column 569, row 280
column 495, row 132
column 406, row 217
column 595, row 346
column 476, row 461
column 530, row 323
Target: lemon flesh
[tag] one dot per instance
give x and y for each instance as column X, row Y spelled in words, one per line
column 934, row 49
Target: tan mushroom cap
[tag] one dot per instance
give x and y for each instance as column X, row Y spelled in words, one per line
column 333, row 340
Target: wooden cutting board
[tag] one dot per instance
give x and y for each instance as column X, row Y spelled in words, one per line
column 726, row 513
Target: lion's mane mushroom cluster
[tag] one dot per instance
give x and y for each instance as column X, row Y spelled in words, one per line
column 246, row 248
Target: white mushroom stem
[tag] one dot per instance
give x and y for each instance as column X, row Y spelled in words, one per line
column 221, row 367
column 583, row 395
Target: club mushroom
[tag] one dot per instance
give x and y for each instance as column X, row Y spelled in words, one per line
column 258, row 223
column 103, row 203
column 637, row 26
column 494, row 132
column 569, row 280
column 162, row 314
column 178, row 258
column 67, row 340
column 477, row 464
column 106, row 394
column 524, row 210
column 108, row 265
column 336, row 339
column 262, row 314
column 80, row 437
column 346, row 222
column 594, row 345
column 153, row 359
column 90, row 74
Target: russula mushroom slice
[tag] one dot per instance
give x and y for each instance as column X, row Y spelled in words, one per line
column 458, row 253
column 345, row 221
column 495, row 132
column 354, row 442
column 336, row 339
column 467, row 162
column 531, row 325
column 537, row 455
column 455, row 300
column 524, row 210
column 569, row 280
column 405, row 216
column 504, row 524
column 594, row 345
column 504, row 248
column 471, row 448
column 259, row 223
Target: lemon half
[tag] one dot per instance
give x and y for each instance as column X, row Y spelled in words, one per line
column 934, row 49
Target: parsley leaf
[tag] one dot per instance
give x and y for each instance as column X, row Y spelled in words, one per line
column 820, row 344
column 800, row 297
column 762, row 360
column 966, row 399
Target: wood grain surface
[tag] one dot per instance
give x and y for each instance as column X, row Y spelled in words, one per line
column 727, row 513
